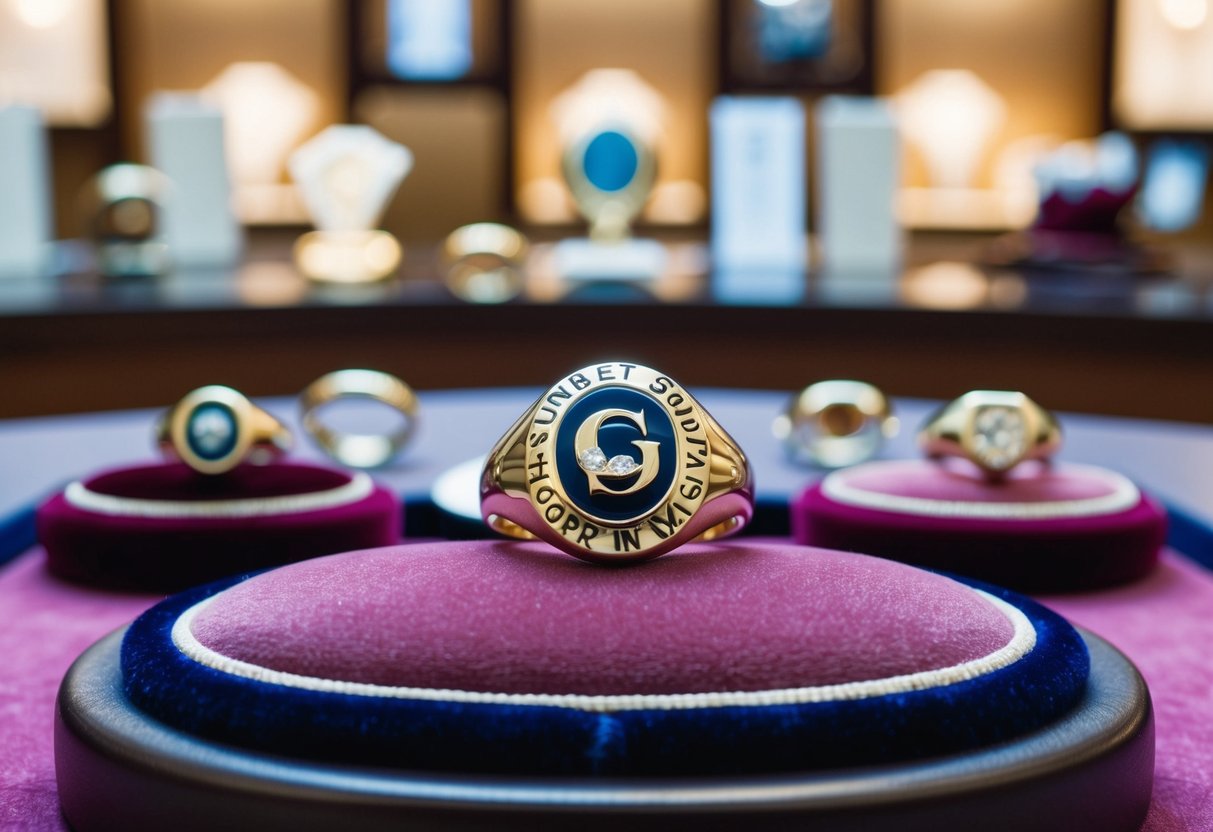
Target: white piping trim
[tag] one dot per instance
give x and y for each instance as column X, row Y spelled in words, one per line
column 79, row 495
column 1124, row 496
column 1023, row 640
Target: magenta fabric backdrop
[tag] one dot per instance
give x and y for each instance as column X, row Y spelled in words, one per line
column 1163, row 623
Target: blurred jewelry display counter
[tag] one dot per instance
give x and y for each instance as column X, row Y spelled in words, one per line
column 1096, row 342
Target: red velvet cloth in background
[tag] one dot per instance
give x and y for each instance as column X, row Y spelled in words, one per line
column 166, row 554
column 1030, row 555
column 1162, row 622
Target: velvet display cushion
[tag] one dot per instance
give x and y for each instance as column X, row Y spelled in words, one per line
column 164, row 527
column 509, row 657
column 1041, row 529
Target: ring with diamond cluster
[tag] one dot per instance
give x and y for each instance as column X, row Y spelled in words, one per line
column 215, row 428
column 994, row 429
column 616, row 463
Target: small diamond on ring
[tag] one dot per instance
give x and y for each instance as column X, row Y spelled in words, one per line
column 593, row 459
column 622, row 465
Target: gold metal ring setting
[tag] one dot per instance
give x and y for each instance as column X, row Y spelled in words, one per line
column 359, row 450
column 215, row 428
column 836, row 423
column 616, row 463
column 994, row 429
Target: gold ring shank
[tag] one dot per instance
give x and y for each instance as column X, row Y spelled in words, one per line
column 359, row 450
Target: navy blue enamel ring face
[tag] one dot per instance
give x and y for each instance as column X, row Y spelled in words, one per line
column 215, row 428
column 617, row 462
column 211, row 431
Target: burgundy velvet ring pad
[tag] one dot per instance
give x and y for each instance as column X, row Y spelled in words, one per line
column 502, row 681
column 164, row 527
column 1044, row 528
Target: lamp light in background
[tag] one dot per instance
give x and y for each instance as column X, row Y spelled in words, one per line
column 951, row 116
column 1184, row 15
column 54, row 56
column 42, row 14
column 1162, row 60
column 945, row 285
column 606, row 96
column 266, row 113
column 346, row 176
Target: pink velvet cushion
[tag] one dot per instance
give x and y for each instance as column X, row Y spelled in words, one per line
column 128, row 531
column 957, row 481
column 1043, row 528
column 506, row 617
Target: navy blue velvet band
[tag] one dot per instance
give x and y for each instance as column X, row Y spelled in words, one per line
column 508, row 739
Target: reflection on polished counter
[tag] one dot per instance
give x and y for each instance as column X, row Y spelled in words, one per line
column 1096, row 342
column 942, row 272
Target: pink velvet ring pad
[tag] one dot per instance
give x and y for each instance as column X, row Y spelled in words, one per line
column 507, row 657
column 164, row 527
column 1043, row 528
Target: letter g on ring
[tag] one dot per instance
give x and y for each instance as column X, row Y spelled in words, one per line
column 586, row 440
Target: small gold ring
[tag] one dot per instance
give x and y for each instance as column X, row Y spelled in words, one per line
column 617, row 463
column 994, row 429
column 359, row 450
column 485, row 262
column 836, row 423
column 215, row 428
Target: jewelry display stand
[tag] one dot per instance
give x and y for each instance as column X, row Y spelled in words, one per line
column 590, row 260
column 492, row 684
column 164, row 527
column 1041, row 528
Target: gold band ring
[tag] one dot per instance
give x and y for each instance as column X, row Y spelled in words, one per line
column 485, row 262
column 994, row 429
column 836, row 423
column 616, row 462
column 215, row 428
column 359, row 450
